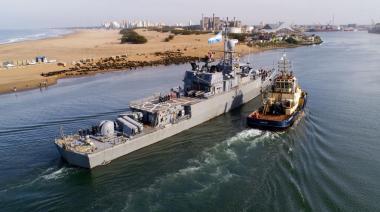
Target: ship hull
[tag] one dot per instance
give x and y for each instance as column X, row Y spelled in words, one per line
column 74, row 158
column 272, row 125
column 276, row 125
column 200, row 112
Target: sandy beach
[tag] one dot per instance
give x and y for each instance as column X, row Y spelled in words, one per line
column 94, row 44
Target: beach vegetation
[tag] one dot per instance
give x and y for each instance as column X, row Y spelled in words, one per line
column 179, row 31
column 189, row 32
column 291, row 40
column 241, row 37
column 169, row 38
column 131, row 36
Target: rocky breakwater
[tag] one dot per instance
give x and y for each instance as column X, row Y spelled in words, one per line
column 121, row 62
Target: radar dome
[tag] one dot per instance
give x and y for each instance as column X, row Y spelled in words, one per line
column 107, row 128
column 231, row 44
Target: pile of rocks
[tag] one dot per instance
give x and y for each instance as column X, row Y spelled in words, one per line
column 88, row 66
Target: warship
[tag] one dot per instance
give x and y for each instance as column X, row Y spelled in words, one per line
column 283, row 101
column 210, row 88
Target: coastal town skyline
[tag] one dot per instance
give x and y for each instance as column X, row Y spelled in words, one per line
column 88, row 13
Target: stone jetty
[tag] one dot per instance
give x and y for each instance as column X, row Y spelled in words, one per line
column 121, row 62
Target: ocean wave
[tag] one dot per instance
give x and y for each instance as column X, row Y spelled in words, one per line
column 57, row 174
column 25, row 35
column 49, row 174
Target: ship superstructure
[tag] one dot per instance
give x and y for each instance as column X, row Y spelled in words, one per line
column 209, row 90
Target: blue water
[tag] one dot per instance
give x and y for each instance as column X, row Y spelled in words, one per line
column 12, row 36
column 328, row 161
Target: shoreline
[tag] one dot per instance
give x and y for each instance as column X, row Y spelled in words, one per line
column 98, row 46
column 53, row 80
column 35, row 37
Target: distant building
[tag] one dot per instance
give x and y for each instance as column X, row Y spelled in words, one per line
column 216, row 23
column 235, row 23
column 236, row 30
column 281, row 28
column 247, row 29
column 272, row 26
column 112, row 25
column 194, row 27
column 211, row 23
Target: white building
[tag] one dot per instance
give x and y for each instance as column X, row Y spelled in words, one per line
column 112, row 25
column 234, row 30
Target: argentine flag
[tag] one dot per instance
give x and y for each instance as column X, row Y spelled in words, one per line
column 216, row 39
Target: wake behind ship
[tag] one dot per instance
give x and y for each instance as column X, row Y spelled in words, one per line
column 209, row 90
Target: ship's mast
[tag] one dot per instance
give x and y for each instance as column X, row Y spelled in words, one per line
column 226, row 55
column 284, row 65
column 228, row 46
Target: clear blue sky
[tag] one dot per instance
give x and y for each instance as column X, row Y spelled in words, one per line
column 62, row 13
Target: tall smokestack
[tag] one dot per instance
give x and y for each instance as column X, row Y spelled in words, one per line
column 213, row 22
column 203, row 22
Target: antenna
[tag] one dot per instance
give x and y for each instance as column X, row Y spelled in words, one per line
column 203, row 22
column 333, row 19
column 61, row 132
column 225, row 38
column 373, row 22
column 213, row 22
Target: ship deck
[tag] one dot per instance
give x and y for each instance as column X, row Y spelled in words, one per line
column 270, row 117
column 153, row 105
column 273, row 117
column 149, row 135
column 102, row 145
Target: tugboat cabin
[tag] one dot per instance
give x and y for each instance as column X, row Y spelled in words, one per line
column 285, row 95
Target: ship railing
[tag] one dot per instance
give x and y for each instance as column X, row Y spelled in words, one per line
column 152, row 98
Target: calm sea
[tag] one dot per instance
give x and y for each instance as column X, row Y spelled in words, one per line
column 328, row 161
column 13, row 36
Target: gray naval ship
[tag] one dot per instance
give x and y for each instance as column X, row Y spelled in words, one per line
column 210, row 89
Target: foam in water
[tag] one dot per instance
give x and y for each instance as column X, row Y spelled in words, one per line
column 56, row 174
column 14, row 36
column 48, row 174
column 211, row 169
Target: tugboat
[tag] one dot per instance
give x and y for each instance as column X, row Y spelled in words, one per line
column 283, row 101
